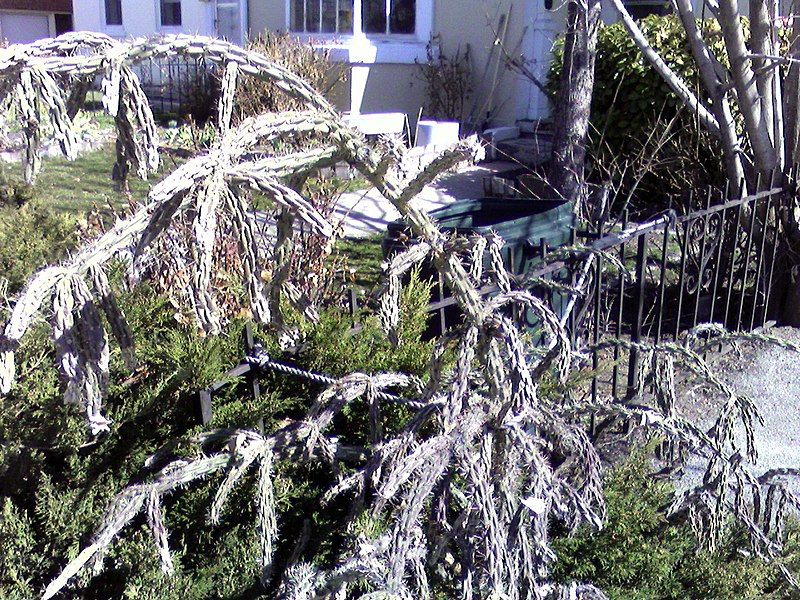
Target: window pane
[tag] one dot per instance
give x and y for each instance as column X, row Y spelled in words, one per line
column 643, row 8
column 322, row 16
column 374, row 16
column 312, row 16
column 63, row 23
column 345, row 16
column 328, row 16
column 298, row 18
column 170, row 12
column 113, row 12
column 403, row 16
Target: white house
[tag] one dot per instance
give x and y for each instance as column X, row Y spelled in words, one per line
column 24, row 21
column 380, row 40
column 133, row 18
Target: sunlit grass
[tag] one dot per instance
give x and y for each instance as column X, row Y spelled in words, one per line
column 363, row 258
column 81, row 185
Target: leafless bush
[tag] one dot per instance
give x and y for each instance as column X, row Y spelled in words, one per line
column 314, row 66
column 447, row 79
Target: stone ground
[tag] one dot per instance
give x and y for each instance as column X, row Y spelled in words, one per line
column 366, row 213
column 770, row 376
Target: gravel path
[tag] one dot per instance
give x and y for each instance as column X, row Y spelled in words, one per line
column 771, row 377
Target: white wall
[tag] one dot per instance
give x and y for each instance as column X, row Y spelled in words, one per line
column 23, row 28
column 141, row 18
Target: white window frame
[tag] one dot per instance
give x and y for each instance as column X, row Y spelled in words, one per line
column 113, row 30
column 168, row 28
column 362, row 48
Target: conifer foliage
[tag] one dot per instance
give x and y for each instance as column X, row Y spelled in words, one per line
column 461, row 496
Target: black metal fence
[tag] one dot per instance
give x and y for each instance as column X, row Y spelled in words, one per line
column 179, row 86
column 646, row 282
column 654, row 281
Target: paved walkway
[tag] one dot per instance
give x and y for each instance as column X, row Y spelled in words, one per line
column 366, row 213
column 769, row 375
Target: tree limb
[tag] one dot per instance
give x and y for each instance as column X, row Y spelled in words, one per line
column 672, row 79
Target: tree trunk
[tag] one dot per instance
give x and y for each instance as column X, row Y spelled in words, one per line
column 715, row 82
column 792, row 93
column 745, row 83
column 574, row 101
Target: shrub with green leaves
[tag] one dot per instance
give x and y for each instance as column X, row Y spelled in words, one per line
column 640, row 134
column 55, row 487
column 31, row 235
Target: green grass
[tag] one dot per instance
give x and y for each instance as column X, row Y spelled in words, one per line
column 362, row 257
column 76, row 187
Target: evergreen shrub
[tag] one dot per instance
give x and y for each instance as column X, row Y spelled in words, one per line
column 55, row 485
column 31, row 235
column 640, row 554
column 641, row 136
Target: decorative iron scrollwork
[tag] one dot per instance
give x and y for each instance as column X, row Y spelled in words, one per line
column 704, row 237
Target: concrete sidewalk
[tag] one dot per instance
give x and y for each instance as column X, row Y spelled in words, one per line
column 367, row 212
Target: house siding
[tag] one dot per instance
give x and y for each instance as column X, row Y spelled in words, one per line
column 51, row 6
column 141, row 18
column 459, row 23
column 473, row 28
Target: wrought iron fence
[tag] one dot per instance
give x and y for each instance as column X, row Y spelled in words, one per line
column 179, row 85
column 653, row 281
column 642, row 282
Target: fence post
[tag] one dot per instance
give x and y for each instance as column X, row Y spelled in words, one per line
column 252, row 374
column 636, row 333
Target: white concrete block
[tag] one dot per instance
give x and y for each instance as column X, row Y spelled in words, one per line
column 377, row 123
column 499, row 134
column 437, row 133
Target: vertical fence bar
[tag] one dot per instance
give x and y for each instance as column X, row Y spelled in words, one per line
column 681, row 278
column 771, row 266
column 718, row 258
column 748, row 250
column 572, row 323
column 636, row 334
column 620, row 309
column 760, row 264
column 732, row 263
column 662, row 283
column 701, row 259
column 252, row 374
column 442, row 318
column 598, row 296
column 352, row 305
column 170, row 87
column 206, row 407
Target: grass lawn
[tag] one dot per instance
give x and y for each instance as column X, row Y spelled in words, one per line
column 362, row 257
column 76, row 187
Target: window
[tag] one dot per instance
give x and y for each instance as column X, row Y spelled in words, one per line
column 639, row 9
column 63, row 22
column 402, row 15
column 170, row 13
column 322, row 16
column 113, row 12
column 372, row 17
